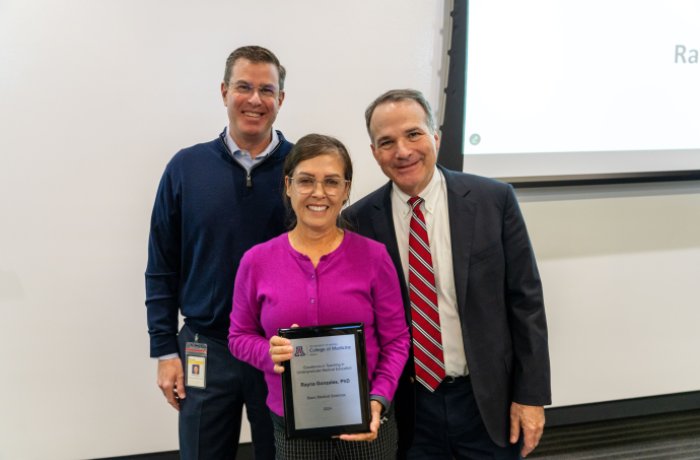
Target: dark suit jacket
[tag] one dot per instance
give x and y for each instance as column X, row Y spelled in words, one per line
column 499, row 297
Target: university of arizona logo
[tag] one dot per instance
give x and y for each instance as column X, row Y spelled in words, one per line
column 300, row 351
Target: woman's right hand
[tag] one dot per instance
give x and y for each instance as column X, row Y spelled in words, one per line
column 280, row 351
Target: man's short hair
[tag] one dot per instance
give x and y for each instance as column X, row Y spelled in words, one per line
column 254, row 54
column 396, row 95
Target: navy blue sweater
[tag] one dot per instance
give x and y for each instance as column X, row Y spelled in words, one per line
column 207, row 213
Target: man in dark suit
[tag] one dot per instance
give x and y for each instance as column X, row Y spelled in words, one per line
column 479, row 376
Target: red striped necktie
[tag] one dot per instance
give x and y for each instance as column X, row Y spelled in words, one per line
column 427, row 338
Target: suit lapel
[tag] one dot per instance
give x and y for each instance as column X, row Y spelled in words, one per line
column 462, row 215
column 462, row 212
column 383, row 226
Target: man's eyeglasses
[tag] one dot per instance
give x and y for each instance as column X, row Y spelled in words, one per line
column 265, row 91
column 305, row 185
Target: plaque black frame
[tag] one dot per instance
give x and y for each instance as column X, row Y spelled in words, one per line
column 355, row 329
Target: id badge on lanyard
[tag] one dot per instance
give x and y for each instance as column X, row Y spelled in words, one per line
column 196, row 359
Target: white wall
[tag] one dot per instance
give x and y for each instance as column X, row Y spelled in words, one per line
column 97, row 95
column 620, row 267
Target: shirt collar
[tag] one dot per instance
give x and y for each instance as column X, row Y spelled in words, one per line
column 236, row 150
column 430, row 195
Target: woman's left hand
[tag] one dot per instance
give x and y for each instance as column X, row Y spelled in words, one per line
column 376, row 410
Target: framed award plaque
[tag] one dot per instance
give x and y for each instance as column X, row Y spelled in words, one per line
column 324, row 385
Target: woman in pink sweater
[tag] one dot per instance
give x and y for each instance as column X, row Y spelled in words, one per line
column 318, row 274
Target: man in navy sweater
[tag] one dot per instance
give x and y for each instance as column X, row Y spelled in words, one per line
column 216, row 200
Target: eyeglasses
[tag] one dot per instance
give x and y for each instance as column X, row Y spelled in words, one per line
column 266, row 91
column 305, row 185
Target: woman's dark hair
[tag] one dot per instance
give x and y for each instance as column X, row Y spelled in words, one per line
column 311, row 146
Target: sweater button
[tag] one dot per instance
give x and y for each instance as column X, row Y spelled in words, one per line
column 313, row 300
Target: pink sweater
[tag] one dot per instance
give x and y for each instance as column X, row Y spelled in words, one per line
column 277, row 286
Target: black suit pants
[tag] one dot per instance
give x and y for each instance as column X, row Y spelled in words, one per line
column 210, row 418
column 449, row 426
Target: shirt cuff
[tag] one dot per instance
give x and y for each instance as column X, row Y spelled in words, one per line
column 168, row 356
column 382, row 400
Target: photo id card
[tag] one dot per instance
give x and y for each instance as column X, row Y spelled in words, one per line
column 196, row 362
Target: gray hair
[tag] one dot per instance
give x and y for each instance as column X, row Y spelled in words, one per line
column 397, row 95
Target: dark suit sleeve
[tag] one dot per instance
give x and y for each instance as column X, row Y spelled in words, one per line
column 526, row 314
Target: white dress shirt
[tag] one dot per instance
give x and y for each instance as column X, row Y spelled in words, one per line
column 437, row 220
